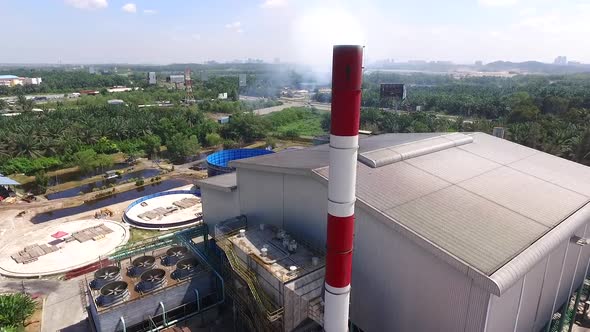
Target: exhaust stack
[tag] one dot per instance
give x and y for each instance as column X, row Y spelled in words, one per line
column 347, row 77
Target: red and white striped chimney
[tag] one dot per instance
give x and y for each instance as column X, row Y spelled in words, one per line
column 347, row 77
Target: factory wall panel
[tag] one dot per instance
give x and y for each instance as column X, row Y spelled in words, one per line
column 550, row 286
column 477, row 309
column 570, row 268
column 503, row 310
column 219, row 206
column 400, row 286
column 584, row 260
column 306, row 209
column 530, row 297
column 261, row 197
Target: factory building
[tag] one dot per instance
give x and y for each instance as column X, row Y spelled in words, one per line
column 453, row 232
column 11, row 80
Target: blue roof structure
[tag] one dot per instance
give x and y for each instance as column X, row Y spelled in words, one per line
column 4, row 181
column 7, row 77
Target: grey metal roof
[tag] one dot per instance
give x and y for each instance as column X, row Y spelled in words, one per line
column 225, row 182
column 395, row 153
column 478, row 206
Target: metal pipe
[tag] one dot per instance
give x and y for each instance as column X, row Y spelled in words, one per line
column 347, row 75
column 197, row 299
column 122, row 320
column 163, row 313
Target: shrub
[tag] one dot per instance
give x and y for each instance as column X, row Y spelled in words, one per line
column 139, row 182
column 30, row 166
column 15, row 309
column 230, row 144
column 213, row 139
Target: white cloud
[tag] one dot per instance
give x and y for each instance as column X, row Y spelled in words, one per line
column 196, row 36
column 273, row 3
column 87, row 4
column 150, row 11
column 235, row 26
column 130, row 8
column 497, row 3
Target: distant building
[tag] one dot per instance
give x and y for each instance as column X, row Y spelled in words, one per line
column 90, row 92
column 119, row 89
column 560, row 60
column 32, row 80
column 116, row 102
column 91, row 70
column 152, row 77
column 222, row 96
column 176, row 79
column 10, row 80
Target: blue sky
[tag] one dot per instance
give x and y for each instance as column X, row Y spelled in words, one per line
column 167, row 31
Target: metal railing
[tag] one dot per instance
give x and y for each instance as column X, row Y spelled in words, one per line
column 273, row 312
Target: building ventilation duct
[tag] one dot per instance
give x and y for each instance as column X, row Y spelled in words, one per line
column 151, row 280
column 141, row 264
column 185, row 268
column 173, row 255
column 105, row 275
column 112, row 293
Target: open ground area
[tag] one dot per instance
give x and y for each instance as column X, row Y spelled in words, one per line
column 72, row 249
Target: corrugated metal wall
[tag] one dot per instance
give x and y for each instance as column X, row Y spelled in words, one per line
column 503, row 310
column 401, row 287
column 546, row 287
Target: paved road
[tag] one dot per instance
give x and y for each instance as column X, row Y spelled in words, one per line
column 63, row 309
column 286, row 104
column 58, row 96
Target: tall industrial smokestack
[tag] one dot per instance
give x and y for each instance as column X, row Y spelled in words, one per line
column 347, row 77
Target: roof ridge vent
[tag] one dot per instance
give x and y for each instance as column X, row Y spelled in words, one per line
column 395, row 153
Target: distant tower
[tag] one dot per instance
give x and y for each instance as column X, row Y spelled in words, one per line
column 188, row 85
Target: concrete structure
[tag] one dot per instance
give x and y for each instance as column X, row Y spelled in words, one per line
column 347, row 77
column 64, row 255
column 453, row 232
column 286, row 276
column 165, row 210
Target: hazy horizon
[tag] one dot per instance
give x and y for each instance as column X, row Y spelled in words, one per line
column 155, row 32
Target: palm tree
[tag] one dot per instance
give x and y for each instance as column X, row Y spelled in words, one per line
column 26, row 105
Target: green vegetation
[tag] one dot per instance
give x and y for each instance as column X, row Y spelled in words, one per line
column 549, row 113
column 88, row 160
column 15, row 309
column 181, row 147
column 297, row 121
column 62, row 81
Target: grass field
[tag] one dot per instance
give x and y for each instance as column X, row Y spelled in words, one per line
column 297, row 121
